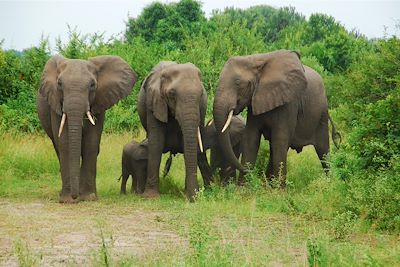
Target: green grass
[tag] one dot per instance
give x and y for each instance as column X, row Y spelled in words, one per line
column 232, row 226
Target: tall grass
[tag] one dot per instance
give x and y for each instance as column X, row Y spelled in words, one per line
column 251, row 225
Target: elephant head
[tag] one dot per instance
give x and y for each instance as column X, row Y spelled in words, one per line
column 175, row 88
column 76, row 88
column 261, row 82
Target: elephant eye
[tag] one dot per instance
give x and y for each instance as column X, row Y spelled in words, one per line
column 172, row 93
column 237, row 81
column 59, row 84
column 92, row 85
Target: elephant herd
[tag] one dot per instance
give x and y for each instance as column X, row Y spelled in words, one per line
column 286, row 104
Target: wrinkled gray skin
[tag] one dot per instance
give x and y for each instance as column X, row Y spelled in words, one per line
column 134, row 163
column 227, row 170
column 285, row 102
column 73, row 87
column 172, row 105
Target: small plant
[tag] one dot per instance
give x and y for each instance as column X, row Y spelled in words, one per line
column 24, row 255
column 343, row 224
column 199, row 194
column 254, row 179
column 316, row 253
column 199, row 239
column 103, row 257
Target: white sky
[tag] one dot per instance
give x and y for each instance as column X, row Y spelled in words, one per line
column 22, row 23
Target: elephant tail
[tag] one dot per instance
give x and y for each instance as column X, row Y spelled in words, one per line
column 336, row 136
column 167, row 166
column 119, row 178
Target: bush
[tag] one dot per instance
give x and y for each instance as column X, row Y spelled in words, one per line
column 369, row 159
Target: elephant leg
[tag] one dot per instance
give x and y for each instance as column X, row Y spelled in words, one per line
column 268, row 171
column 156, row 140
column 87, row 182
column 140, row 176
column 278, row 155
column 125, row 176
column 250, row 146
column 90, row 150
column 134, row 185
column 204, row 169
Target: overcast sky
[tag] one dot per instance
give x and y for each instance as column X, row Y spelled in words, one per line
column 22, row 23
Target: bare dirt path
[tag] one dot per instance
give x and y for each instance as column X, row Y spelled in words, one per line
column 50, row 234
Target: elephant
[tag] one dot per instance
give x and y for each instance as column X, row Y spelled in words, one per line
column 74, row 94
column 134, row 163
column 227, row 171
column 286, row 103
column 172, row 105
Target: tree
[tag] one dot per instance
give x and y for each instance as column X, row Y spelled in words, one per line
column 167, row 23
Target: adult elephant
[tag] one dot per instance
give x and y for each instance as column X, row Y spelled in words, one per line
column 286, row 103
column 172, row 106
column 71, row 89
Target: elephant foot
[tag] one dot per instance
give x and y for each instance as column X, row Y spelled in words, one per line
column 151, row 193
column 88, row 197
column 191, row 195
column 67, row 199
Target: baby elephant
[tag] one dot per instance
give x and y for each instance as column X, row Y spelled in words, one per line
column 134, row 163
column 227, row 171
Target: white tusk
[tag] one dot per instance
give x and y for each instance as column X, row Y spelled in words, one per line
column 64, row 116
column 210, row 122
column 90, row 117
column 228, row 121
column 199, row 138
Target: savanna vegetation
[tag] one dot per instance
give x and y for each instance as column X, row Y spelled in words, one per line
column 350, row 217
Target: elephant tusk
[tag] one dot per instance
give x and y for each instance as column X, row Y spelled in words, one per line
column 199, row 138
column 90, row 117
column 210, row 122
column 64, row 116
column 228, row 121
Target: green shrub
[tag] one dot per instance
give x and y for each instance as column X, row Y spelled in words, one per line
column 317, row 253
column 368, row 161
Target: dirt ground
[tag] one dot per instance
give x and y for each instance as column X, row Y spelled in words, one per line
column 59, row 235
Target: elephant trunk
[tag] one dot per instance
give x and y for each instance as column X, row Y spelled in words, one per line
column 220, row 113
column 74, row 142
column 190, row 124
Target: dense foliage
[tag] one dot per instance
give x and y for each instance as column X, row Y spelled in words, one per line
column 362, row 79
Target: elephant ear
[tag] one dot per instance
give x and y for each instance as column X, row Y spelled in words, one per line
column 203, row 106
column 281, row 78
column 115, row 80
column 48, row 84
column 159, row 105
column 153, row 88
